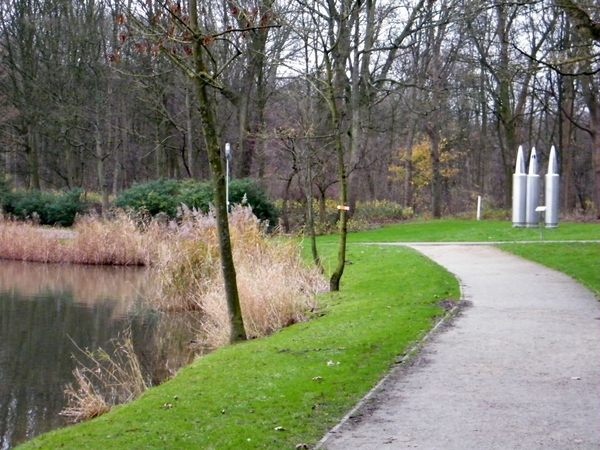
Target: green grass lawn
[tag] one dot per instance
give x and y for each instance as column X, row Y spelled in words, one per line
column 291, row 387
column 471, row 230
column 303, row 378
column 579, row 260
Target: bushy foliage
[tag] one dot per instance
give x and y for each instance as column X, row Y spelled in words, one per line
column 4, row 191
column 152, row 197
column 166, row 196
column 46, row 208
column 366, row 216
column 248, row 193
column 381, row 211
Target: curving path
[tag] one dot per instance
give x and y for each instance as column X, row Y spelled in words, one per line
column 519, row 368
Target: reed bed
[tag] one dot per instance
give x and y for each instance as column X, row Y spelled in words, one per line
column 93, row 240
column 104, row 380
column 276, row 288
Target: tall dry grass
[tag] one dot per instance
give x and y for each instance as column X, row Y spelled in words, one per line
column 104, row 380
column 93, row 240
column 276, row 288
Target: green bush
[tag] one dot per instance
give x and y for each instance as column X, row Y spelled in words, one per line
column 248, row 192
column 64, row 208
column 152, row 197
column 196, row 195
column 4, row 192
column 47, row 208
column 165, row 196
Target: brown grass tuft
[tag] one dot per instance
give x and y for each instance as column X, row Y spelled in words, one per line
column 276, row 288
column 106, row 380
column 93, row 240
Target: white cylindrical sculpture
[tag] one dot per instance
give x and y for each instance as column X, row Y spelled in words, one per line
column 552, row 181
column 519, row 191
column 533, row 192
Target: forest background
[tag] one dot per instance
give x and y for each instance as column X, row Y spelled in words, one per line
column 432, row 98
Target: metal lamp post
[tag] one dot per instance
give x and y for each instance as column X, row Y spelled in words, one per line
column 227, row 158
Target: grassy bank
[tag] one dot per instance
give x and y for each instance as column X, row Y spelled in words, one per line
column 302, row 379
column 291, row 387
column 579, row 260
column 471, row 231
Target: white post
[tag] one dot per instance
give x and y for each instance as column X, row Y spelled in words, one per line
column 552, row 180
column 519, row 191
column 227, row 158
column 479, row 207
column 533, row 192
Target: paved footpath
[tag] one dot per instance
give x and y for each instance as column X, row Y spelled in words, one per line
column 519, row 368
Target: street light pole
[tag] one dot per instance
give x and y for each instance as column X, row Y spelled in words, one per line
column 227, row 158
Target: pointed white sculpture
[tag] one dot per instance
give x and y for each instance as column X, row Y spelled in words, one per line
column 519, row 191
column 532, row 197
column 552, row 183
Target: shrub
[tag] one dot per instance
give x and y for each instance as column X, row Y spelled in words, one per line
column 166, row 196
column 4, row 191
column 366, row 216
column 64, row 208
column 196, row 195
column 152, row 197
column 248, row 192
column 46, row 208
column 381, row 211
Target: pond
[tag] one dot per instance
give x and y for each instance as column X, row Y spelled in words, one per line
column 48, row 313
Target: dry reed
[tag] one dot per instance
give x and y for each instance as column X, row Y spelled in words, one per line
column 104, row 381
column 276, row 288
column 93, row 240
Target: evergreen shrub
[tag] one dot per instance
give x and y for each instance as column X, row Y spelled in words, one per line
column 46, row 208
column 152, row 197
column 166, row 196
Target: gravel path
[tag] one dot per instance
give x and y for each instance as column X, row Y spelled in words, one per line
column 519, row 368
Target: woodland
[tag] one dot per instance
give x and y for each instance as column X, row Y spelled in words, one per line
column 419, row 102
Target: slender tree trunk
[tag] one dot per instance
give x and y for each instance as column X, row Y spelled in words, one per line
column 566, row 93
column 101, row 157
column 215, row 160
column 31, row 152
column 189, row 134
column 336, row 276
column 593, row 105
column 311, row 217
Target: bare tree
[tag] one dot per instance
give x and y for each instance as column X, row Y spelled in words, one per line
column 180, row 35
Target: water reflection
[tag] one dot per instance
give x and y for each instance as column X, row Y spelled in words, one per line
column 44, row 311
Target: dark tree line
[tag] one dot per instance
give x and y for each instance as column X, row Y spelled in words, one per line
column 424, row 103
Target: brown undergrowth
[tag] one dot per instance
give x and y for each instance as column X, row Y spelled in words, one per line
column 104, row 380
column 276, row 288
column 93, row 240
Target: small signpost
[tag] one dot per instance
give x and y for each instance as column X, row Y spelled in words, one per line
column 541, row 210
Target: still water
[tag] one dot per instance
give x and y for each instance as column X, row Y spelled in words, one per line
column 46, row 312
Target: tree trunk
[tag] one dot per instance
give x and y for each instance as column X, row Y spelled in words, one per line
column 101, row 156
column 31, row 152
column 237, row 330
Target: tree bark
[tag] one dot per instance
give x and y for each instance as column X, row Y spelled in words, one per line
column 237, row 329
